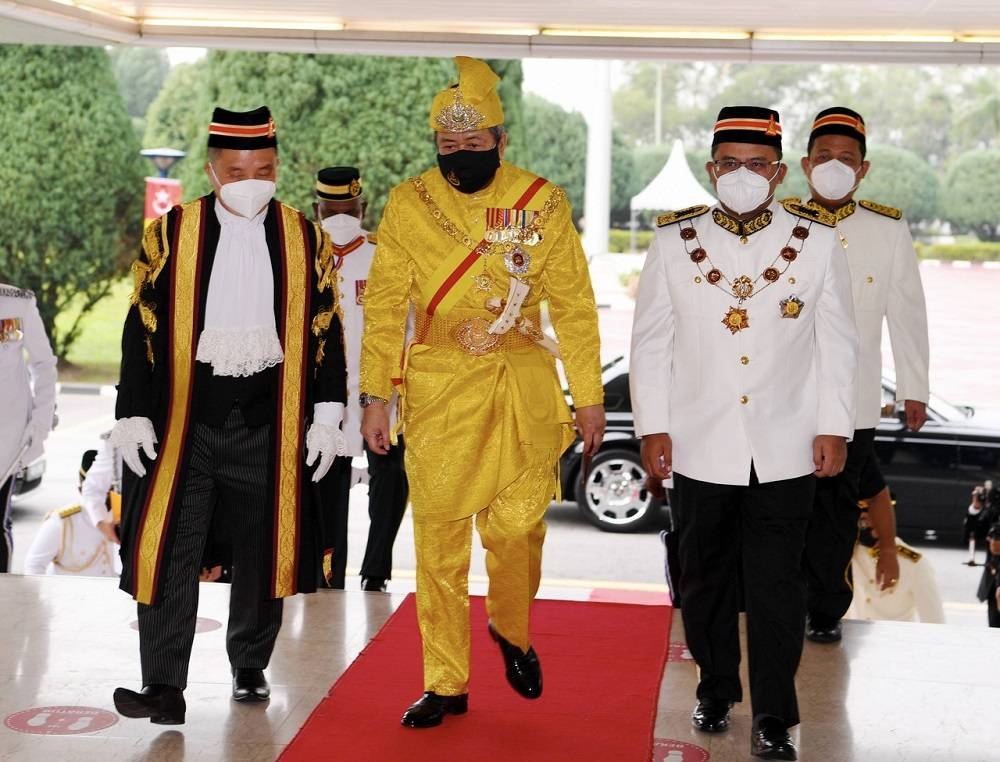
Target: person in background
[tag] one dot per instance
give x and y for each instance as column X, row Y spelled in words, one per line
column 340, row 208
column 974, row 527
column 885, row 279
column 743, row 382
column 28, row 389
column 891, row 579
column 230, row 400
column 989, row 583
column 68, row 542
column 476, row 246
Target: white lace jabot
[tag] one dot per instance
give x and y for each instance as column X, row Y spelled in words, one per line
column 240, row 338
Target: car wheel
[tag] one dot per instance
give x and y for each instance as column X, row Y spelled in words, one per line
column 614, row 497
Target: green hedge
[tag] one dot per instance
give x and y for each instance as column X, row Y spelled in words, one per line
column 621, row 240
column 973, row 251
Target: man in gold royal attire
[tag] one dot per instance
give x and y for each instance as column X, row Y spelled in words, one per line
column 476, row 245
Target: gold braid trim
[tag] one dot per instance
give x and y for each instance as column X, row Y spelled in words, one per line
column 144, row 275
column 327, row 277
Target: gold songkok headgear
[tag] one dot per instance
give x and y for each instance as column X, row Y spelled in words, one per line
column 472, row 104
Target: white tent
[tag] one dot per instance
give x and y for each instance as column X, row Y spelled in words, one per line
column 673, row 188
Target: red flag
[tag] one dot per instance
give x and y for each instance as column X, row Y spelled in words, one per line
column 162, row 193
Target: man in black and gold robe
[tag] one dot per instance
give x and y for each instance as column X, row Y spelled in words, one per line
column 232, row 387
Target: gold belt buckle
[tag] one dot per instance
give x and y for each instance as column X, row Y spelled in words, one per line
column 474, row 337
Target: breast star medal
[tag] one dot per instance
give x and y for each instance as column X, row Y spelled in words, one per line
column 736, row 320
column 517, row 261
column 791, row 307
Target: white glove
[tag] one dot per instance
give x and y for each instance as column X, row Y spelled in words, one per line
column 128, row 435
column 325, row 442
column 359, row 476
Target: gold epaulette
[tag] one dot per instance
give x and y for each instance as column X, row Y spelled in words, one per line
column 821, row 216
column 17, row 293
column 681, row 214
column 885, row 211
column 372, row 238
column 791, row 200
column 65, row 513
column 907, row 552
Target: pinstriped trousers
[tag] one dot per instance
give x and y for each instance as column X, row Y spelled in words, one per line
column 6, row 533
column 228, row 471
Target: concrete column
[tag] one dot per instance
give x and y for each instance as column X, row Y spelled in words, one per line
column 597, row 195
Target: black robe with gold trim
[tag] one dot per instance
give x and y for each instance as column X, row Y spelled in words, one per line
column 160, row 380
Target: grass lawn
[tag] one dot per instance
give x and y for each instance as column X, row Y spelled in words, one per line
column 96, row 354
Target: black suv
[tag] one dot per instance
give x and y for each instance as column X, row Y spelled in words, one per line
column 931, row 472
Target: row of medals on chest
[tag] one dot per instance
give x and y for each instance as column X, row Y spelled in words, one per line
column 744, row 287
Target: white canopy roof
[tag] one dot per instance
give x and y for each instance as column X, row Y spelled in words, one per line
column 673, row 188
column 889, row 31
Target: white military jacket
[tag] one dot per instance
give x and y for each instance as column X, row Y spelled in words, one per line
column 67, row 542
column 885, row 279
column 915, row 597
column 729, row 395
column 354, row 261
column 28, row 388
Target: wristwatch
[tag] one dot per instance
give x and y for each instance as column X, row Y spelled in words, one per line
column 367, row 399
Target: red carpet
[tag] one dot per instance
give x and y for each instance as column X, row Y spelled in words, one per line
column 602, row 665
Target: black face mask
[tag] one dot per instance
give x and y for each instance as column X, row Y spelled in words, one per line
column 469, row 171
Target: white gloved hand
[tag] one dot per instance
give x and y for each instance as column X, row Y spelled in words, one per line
column 128, row 435
column 325, row 442
column 359, row 476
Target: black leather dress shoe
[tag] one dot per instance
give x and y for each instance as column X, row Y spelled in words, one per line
column 524, row 672
column 250, row 685
column 819, row 632
column 431, row 708
column 711, row 715
column 373, row 584
column 770, row 740
column 162, row 704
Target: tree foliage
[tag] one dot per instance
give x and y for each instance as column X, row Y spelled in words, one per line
column 72, row 206
column 366, row 111
column 972, row 194
column 140, row 73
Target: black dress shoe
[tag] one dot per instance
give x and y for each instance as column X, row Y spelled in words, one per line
column 711, row 715
column 820, row 632
column 162, row 704
column 250, row 685
column 431, row 708
column 524, row 672
column 373, row 584
column 770, row 740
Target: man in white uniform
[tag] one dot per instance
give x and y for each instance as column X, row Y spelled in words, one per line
column 875, row 240
column 29, row 396
column 68, row 542
column 340, row 208
column 743, row 371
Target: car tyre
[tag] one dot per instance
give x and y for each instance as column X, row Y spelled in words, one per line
column 615, row 497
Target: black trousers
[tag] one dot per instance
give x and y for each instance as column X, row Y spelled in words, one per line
column 743, row 544
column 832, row 534
column 228, row 471
column 388, row 492
column 334, row 492
column 7, row 540
column 992, row 614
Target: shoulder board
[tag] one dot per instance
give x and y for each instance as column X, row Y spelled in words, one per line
column 65, row 513
column 372, row 238
column 681, row 214
column 17, row 293
column 792, row 200
column 821, row 216
column 885, row 211
column 907, row 552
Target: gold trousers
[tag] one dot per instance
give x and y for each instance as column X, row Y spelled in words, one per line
column 512, row 530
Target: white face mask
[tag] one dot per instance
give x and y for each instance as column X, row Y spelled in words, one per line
column 245, row 197
column 743, row 191
column 343, row 228
column 833, row 180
